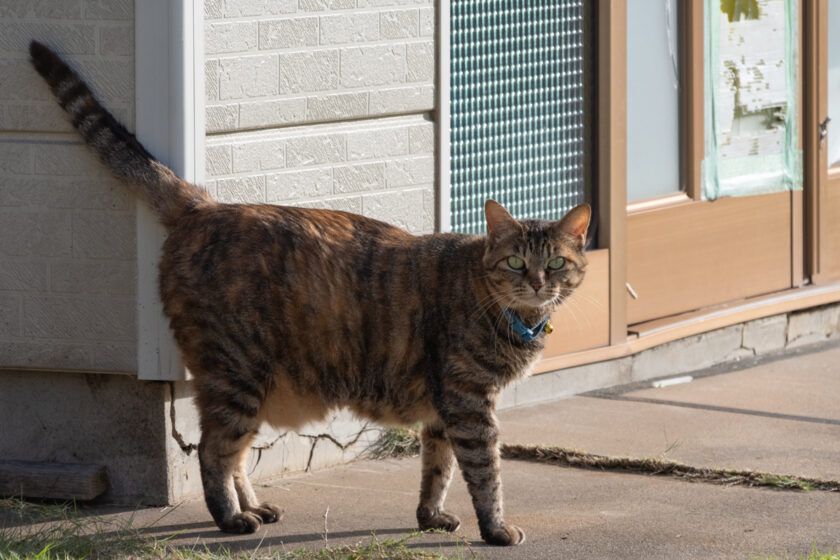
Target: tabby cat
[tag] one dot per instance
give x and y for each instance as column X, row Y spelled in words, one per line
column 285, row 314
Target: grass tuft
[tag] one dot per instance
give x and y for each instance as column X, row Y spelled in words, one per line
column 658, row 466
column 30, row 531
column 396, row 442
column 47, row 532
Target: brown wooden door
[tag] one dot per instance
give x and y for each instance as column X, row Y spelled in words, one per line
column 822, row 161
column 684, row 253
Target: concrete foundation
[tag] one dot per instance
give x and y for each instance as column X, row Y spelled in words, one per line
column 146, row 433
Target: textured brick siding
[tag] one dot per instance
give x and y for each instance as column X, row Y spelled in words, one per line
column 321, row 103
column 285, row 62
column 382, row 168
column 67, row 233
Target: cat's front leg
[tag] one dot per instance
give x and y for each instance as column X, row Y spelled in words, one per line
column 472, row 430
column 438, row 465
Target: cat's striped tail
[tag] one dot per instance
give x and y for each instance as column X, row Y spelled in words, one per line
column 167, row 194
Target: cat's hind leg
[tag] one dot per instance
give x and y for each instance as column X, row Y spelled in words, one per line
column 219, row 453
column 438, row 466
column 248, row 501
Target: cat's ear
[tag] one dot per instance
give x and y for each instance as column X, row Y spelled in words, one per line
column 499, row 221
column 576, row 222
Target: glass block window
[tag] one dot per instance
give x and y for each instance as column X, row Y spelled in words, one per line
column 516, row 102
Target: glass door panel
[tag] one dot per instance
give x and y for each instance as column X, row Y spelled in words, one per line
column 653, row 100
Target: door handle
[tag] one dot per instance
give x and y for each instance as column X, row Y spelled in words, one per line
column 824, row 130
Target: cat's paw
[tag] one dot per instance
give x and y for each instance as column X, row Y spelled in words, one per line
column 506, row 535
column 240, row 523
column 438, row 520
column 269, row 513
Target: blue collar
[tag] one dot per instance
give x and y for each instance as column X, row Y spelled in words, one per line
column 525, row 333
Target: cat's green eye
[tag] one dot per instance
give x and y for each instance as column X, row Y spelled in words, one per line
column 515, row 262
column 556, row 263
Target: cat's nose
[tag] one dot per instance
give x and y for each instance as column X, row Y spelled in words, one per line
column 536, row 285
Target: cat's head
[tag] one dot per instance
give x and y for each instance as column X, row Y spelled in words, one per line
column 534, row 264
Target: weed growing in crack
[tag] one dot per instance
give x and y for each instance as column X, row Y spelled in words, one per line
column 396, row 442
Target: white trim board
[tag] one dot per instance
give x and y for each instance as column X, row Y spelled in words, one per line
column 442, row 114
column 169, row 112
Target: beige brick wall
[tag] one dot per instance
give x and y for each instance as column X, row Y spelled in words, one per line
column 279, row 63
column 323, row 103
column 67, row 234
column 382, row 168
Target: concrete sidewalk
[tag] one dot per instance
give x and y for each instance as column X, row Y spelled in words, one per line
column 780, row 416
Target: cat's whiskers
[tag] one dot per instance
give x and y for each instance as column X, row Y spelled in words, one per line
column 565, row 303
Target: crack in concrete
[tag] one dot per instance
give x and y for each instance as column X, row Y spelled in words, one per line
column 665, row 467
column 187, row 448
column 329, row 437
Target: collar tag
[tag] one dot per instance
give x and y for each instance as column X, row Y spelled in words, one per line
column 525, row 333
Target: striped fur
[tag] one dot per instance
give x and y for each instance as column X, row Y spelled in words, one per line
column 285, row 314
column 166, row 193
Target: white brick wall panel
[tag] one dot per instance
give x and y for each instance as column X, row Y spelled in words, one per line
column 41, row 9
column 338, row 29
column 231, row 37
column 10, row 315
column 93, row 277
column 299, row 184
column 429, row 209
column 33, row 233
column 337, row 107
column 398, row 208
column 36, row 192
column 421, row 61
column 259, row 156
column 315, row 150
column 247, row 76
column 114, row 356
column 359, row 177
column 105, row 193
column 218, row 160
column 345, row 204
column 213, row 9
column 289, row 33
column 24, row 275
column 400, row 24
column 220, row 118
column 412, row 171
column 241, row 189
column 48, row 353
column 211, row 80
column 211, row 187
column 110, row 9
column 92, row 318
column 402, row 100
column 66, row 159
column 57, row 203
column 377, row 143
column 68, row 38
column 56, row 192
column 309, row 71
column 104, row 235
column 112, row 81
column 321, row 5
column 427, row 22
column 116, row 40
column 258, row 8
column 19, row 82
column 34, row 116
column 261, row 114
column 373, row 65
column 421, row 139
column 16, row 159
